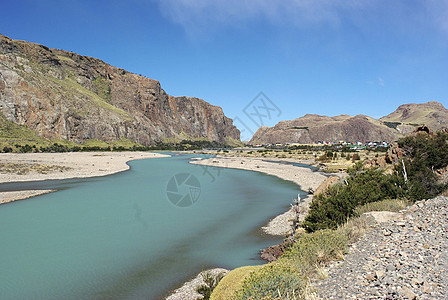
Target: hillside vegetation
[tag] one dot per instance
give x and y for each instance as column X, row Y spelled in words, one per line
column 333, row 221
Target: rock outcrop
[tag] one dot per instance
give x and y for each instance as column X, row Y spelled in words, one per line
column 392, row 156
column 61, row 94
column 272, row 253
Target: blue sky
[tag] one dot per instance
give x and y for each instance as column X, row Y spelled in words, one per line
column 308, row 56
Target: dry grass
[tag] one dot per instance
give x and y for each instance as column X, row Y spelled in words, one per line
column 23, row 168
column 393, row 205
column 355, row 228
column 232, row 282
column 332, row 166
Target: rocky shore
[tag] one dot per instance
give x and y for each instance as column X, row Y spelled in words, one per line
column 404, row 258
column 188, row 290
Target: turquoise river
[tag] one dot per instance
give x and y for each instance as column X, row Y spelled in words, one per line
column 120, row 236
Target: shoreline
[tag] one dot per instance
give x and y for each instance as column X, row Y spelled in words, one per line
column 23, row 167
column 303, row 177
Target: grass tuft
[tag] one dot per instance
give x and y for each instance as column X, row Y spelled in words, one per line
column 393, row 205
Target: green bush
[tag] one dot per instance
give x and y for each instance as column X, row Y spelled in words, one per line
column 423, row 155
column 210, row 283
column 429, row 150
column 330, row 209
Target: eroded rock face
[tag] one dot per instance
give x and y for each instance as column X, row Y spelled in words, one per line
column 61, row 94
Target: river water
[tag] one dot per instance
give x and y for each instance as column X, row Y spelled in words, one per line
column 136, row 234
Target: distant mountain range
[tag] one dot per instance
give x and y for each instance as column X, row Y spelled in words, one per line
column 314, row 128
column 64, row 95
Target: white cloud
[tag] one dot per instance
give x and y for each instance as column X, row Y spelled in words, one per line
column 438, row 9
column 379, row 81
column 199, row 15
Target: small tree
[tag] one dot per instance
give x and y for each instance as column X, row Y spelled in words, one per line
column 355, row 157
column 210, row 283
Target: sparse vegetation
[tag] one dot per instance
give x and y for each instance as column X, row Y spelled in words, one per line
column 271, row 282
column 103, row 88
column 383, row 205
column 23, row 168
column 210, row 283
column 393, row 125
column 96, row 101
column 288, row 278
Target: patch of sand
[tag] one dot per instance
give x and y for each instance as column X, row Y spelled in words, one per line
column 6, row 197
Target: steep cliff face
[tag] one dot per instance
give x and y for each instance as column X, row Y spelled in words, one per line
column 314, row 128
column 61, row 94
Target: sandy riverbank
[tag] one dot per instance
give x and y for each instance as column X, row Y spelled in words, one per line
column 303, row 177
column 21, row 167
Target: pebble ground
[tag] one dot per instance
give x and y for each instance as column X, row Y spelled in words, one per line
column 400, row 259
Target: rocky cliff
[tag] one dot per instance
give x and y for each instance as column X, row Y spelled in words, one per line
column 61, row 94
column 314, row 128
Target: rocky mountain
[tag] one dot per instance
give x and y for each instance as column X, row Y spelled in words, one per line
column 314, row 128
column 432, row 114
column 60, row 94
